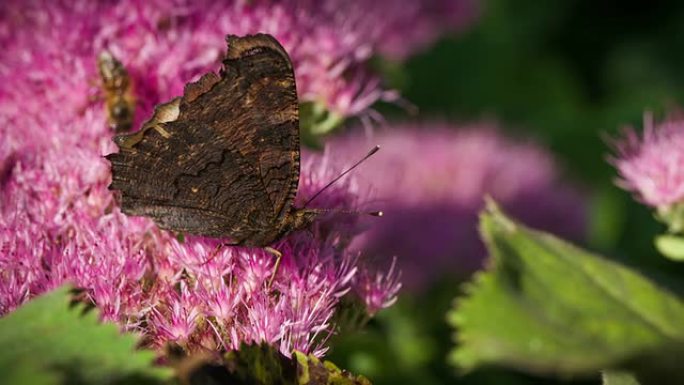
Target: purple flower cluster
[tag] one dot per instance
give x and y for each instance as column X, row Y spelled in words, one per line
column 430, row 180
column 59, row 223
column 652, row 166
column 165, row 44
column 427, row 20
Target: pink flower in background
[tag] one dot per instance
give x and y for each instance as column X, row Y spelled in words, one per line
column 430, row 181
column 652, row 166
column 428, row 20
column 59, row 223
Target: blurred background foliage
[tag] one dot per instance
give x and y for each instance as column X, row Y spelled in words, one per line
column 568, row 74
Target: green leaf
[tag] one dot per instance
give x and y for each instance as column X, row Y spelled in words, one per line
column 29, row 372
column 312, row 371
column 547, row 306
column 618, row 378
column 262, row 364
column 671, row 246
column 47, row 341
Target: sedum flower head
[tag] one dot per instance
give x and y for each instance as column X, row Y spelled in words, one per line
column 166, row 44
column 59, row 222
column 428, row 20
column 430, row 181
column 652, row 165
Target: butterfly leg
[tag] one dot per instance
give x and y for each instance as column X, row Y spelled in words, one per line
column 216, row 250
column 278, row 256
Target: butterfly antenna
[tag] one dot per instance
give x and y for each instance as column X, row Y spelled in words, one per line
column 354, row 212
column 370, row 153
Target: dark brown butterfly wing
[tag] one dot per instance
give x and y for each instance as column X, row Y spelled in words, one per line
column 223, row 160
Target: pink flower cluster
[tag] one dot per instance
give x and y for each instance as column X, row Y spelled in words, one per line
column 431, row 179
column 59, row 223
column 165, row 44
column 425, row 20
column 652, row 165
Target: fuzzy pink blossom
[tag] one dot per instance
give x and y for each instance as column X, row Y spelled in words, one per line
column 59, row 222
column 652, row 166
column 430, row 180
column 428, row 20
column 57, row 225
column 373, row 288
column 165, row 44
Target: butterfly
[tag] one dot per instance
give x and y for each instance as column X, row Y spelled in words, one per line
column 223, row 160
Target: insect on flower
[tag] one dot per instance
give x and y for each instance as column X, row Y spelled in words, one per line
column 223, row 160
column 118, row 91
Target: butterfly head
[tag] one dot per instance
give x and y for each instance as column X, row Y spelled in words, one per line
column 301, row 219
